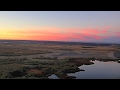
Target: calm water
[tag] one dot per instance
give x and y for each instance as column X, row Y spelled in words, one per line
column 98, row 70
column 53, row 76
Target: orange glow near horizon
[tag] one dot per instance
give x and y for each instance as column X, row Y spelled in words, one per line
column 60, row 34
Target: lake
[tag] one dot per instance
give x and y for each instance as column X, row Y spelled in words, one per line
column 98, row 70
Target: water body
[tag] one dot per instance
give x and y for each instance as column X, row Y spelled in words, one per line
column 53, row 76
column 99, row 70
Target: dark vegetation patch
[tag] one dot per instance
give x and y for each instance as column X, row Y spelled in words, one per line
column 117, row 54
column 65, row 76
column 41, row 57
column 25, row 68
column 22, row 52
column 79, row 61
column 87, row 47
column 65, row 49
column 36, row 69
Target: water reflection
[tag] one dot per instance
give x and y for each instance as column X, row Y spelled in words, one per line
column 53, row 76
column 99, row 70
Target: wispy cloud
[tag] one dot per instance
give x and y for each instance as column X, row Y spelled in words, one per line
column 62, row 34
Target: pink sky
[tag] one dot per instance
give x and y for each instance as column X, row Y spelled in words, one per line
column 62, row 34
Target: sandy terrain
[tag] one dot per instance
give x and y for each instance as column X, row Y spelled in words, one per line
column 60, row 51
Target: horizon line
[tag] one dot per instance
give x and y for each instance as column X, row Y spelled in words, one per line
column 60, row 41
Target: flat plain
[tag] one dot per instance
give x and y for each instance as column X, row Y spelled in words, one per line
column 23, row 60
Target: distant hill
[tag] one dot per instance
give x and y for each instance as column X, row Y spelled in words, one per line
column 55, row 42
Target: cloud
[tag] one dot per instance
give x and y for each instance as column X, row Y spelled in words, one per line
column 64, row 34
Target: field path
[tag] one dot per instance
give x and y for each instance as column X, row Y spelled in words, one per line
column 111, row 55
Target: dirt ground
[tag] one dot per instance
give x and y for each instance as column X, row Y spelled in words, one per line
column 60, row 51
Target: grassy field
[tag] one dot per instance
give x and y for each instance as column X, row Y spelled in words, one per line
column 38, row 61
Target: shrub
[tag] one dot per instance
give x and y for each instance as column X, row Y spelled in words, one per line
column 6, row 75
column 18, row 73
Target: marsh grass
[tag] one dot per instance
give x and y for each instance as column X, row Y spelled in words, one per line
column 22, row 61
column 20, row 70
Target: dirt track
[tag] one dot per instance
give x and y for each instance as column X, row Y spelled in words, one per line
column 117, row 54
column 111, row 55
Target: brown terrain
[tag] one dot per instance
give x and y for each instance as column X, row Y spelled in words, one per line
column 59, row 51
column 43, row 59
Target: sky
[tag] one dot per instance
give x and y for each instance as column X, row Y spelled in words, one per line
column 76, row 26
